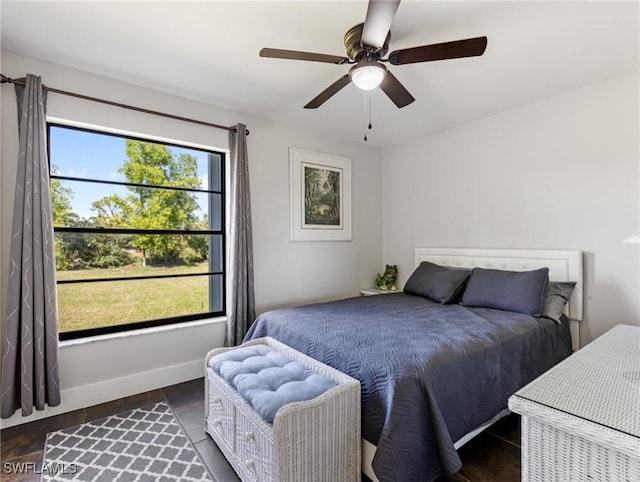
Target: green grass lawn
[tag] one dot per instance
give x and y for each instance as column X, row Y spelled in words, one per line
column 93, row 305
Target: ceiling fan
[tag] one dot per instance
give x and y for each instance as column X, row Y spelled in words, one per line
column 367, row 43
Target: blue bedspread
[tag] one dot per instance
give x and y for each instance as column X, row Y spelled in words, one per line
column 429, row 373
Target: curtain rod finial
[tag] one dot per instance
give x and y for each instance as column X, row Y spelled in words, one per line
column 4, row 78
column 235, row 129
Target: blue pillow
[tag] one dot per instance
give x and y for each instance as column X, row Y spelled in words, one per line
column 435, row 282
column 518, row 291
column 558, row 295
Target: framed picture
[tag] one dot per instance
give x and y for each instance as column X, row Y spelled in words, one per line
column 320, row 190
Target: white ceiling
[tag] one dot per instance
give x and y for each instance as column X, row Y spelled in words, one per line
column 208, row 51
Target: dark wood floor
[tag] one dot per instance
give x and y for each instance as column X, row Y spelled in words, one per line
column 492, row 456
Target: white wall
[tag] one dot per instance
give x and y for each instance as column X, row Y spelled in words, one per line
column 563, row 173
column 286, row 273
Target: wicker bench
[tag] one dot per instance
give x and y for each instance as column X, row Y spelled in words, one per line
column 316, row 440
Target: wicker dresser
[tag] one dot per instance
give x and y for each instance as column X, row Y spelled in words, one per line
column 581, row 419
column 315, row 440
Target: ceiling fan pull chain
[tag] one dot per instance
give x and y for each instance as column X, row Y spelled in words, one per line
column 367, row 108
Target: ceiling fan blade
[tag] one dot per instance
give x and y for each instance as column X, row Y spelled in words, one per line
column 380, row 15
column 396, row 91
column 471, row 47
column 295, row 55
column 329, row 92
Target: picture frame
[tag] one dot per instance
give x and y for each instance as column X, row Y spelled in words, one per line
column 320, row 196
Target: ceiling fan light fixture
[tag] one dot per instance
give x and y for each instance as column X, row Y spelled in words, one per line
column 367, row 75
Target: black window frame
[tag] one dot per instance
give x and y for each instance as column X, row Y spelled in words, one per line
column 158, row 322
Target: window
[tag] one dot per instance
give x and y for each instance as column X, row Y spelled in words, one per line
column 138, row 231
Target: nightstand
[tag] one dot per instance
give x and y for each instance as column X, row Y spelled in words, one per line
column 377, row 291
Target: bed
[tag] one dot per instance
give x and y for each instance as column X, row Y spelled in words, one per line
column 432, row 375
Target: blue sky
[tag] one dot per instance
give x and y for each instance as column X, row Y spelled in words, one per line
column 89, row 155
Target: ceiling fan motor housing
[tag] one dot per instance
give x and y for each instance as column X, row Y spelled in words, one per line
column 355, row 49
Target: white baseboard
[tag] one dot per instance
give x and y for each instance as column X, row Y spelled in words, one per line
column 107, row 390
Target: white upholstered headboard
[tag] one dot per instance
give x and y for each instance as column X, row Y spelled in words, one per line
column 564, row 265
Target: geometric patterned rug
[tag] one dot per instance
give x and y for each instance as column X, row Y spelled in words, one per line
column 146, row 444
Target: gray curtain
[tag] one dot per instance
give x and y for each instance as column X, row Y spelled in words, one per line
column 30, row 329
column 242, row 312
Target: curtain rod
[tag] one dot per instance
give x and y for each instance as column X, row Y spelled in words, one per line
column 5, row 79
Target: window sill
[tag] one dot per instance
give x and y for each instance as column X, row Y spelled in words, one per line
column 144, row 331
